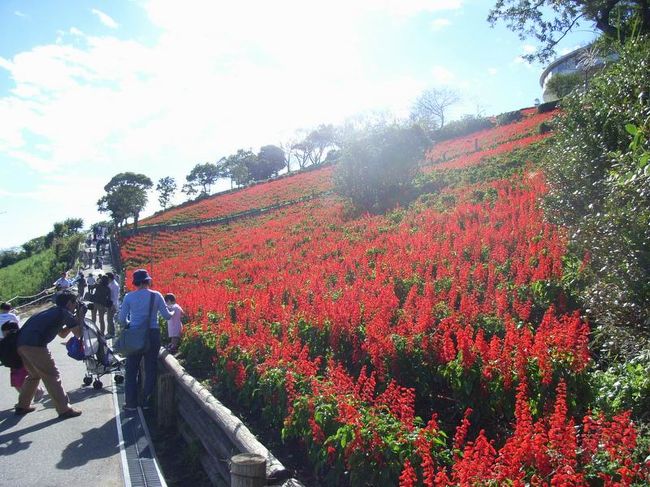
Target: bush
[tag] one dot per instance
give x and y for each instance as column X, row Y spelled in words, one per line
column 600, row 187
column 459, row 128
column 376, row 170
column 549, row 106
column 563, row 84
column 509, row 117
column 624, row 386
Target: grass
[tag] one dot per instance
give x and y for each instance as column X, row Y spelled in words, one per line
column 28, row 276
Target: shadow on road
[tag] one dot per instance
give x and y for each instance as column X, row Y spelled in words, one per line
column 93, row 444
column 10, row 442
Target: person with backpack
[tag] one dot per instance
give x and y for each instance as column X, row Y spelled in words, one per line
column 9, row 357
column 66, row 316
column 140, row 309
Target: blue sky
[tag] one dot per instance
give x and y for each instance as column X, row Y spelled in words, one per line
column 92, row 88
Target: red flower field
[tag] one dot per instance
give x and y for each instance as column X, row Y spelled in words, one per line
column 433, row 345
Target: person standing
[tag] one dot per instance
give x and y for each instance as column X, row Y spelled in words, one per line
column 80, row 281
column 140, row 309
column 115, row 298
column 92, row 282
column 174, row 326
column 102, row 302
column 62, row 283
column 39, row 330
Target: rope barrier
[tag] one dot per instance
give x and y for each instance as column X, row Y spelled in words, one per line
column 47, row 296
column 28, row 297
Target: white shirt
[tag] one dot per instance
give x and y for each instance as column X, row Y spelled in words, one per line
column 62, row 282
column 5, row 317
column 115, row 292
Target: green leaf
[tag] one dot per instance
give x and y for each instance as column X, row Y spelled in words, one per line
column 631, row 129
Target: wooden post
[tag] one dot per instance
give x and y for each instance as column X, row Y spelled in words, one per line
column 165, row 401
column 247, row 470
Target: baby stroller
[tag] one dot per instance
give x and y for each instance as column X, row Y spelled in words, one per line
column 98, row 357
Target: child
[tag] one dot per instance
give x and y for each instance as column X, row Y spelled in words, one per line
column 7, row 315
column 174, row 325
column 17, row 376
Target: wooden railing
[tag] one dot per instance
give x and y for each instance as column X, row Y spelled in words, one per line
column 183, row 402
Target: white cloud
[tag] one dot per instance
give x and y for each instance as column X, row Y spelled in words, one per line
column 492, row 71
column 528, row 48
column 105, row 19
column 86, row 107
column 440, row 23
column 18, row 13
column 442, row 75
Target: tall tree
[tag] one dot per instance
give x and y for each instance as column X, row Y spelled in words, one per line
column 431, row 107
column 166, row 187
column 126, row 196
column 204, row 175
column 549, row 21
column 319, row 141
column 237, row 166
column 269, row 161
column 302, row 151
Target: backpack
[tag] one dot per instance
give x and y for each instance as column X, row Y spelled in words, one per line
column 9, row 351
column 75, row 348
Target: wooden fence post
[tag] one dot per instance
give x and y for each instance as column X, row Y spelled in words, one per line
column 247, row 470
column 165, row 401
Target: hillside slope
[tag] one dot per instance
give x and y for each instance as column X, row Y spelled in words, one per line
column 437, row 343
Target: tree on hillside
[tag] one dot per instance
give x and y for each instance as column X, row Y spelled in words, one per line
column 270, row 159
column 287, row 148
column 431, row 107
column 320, row 140
column 237, row 166
column 189, row 190
column 549, row 21
column 376, row 170
column 599, row 177
column 302, row 150
column 313, row 147
column 126, row 196
column 166, row 187
column 204, row 176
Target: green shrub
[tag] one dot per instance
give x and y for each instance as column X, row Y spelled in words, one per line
column 624, row 386
column 549, row 106
column 376, row 170
column 509, row 117
column 599, row 181
column 562, row 84
column 459, row 128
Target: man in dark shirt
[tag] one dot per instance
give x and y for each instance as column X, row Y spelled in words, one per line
column 36, row 333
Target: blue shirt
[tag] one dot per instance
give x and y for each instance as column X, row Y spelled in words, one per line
column 41, row 329
column 135, row 309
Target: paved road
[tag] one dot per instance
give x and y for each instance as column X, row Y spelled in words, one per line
column 39, row 449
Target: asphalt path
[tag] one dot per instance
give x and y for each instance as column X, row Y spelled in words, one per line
column 39, row 449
